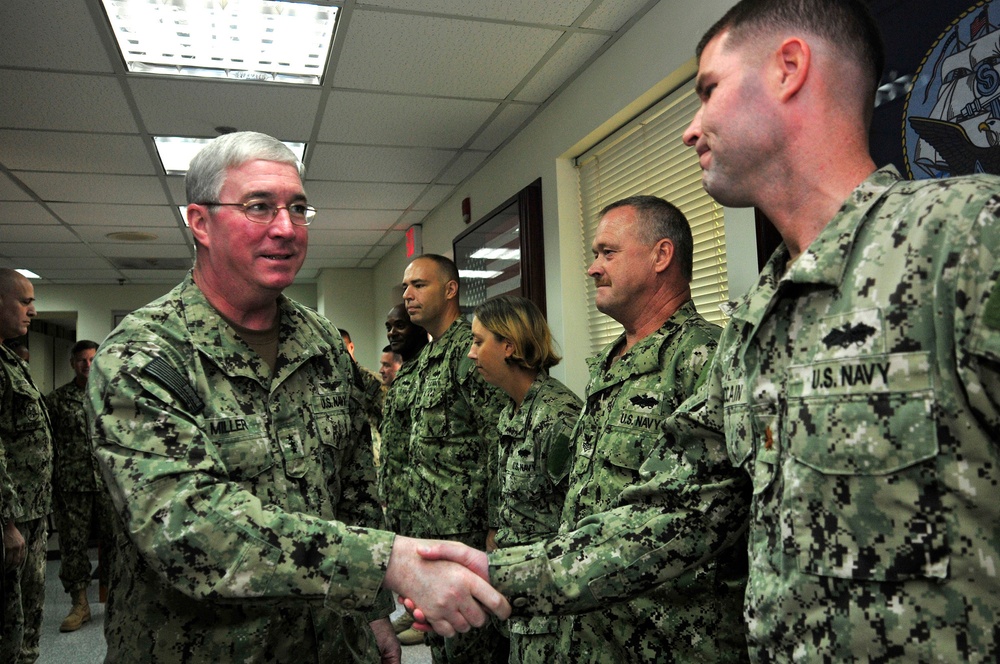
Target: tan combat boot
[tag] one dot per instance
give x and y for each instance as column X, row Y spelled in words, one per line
column 79, row 614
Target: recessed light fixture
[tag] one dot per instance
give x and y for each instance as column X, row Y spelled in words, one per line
column 27, row 273
column 132, row 236
column 478, row 274
column 498, row 254
column 255, row 40
column 176, row 152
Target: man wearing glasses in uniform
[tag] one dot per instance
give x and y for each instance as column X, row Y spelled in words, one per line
column 229, row 422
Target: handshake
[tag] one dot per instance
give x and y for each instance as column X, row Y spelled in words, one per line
column 444, row 584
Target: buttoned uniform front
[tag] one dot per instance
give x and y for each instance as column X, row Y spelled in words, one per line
column 78, row 493
column 25, row 499
column 696, row 617
column 858, row 387
column 395, row 449
column 246, row 499
column 451, row 473
column 535, row 459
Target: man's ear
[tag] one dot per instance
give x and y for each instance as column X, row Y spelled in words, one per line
column 197, row 218
column 664, row 255
column 792, row 61
column 451, row 289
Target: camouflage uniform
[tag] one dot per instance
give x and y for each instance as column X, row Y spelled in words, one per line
column 535, row 459
column 859, row 390
column 394, row 453
column 858, row 387
column 234, row 489
column 697, row 616
column 77, row 492
column 451, row 473
column 25, row 498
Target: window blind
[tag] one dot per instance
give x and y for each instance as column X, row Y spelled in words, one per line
column 648, row 156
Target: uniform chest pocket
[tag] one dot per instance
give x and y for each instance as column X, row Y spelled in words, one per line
column 431, row 414
column 26, row 407
column 862, row 488
column 635, row 424
column 243, row 446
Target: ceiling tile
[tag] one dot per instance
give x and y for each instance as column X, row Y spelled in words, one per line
column 362, row 117
column 75, row 102
column 81, row 276
column 67, row 41
column 509, row 119
column 27, row 213
column 81, row 260
column 566, row 61
column 195, row 108
column 356, row 163
column 467, row 162
column 135, row 216
column 438, row 56
column 88, row 188
column 354, row 239
column 164, row 235
column 554, row 12
column 363, row 195
column 154, row 276
column 73, row 152
column 13, row 233
column 39, row 248
column 410, row 218
column 369, row 220
column 142, row 250
column 433, row 197
column 612, row 14
column 10, row 191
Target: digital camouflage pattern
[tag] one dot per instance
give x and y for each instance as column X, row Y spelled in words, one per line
column 676, row 506
column 453, row 441
column 78, row 495
column 698, row 616
column 74, row 467
column 535, row 459
column 25, row 498
column 25, row 443
column 451, row 473
column 394, row 456
column 235, row 490
column 860, row 390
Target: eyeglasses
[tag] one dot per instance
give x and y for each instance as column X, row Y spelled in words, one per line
column 260, row 212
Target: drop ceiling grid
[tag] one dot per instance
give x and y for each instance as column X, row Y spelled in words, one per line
column 94, row 188
column 29, row 150
column 52, row 35
column 555, row 12
column 438, row 56
column 358, row 163
column 75, row 102
column 101, row 214
column 563, row 64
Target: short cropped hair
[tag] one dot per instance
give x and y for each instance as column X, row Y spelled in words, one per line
column 82, row 345
column 848, row 25
column 520, row 322
column 207, row 172
column 659, row 219
column 445, row 265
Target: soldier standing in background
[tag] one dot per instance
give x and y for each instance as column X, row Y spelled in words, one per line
column 450, row 473
column 25, row 479
column 78, row 494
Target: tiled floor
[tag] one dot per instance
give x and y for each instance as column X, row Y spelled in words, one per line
column 86, row 645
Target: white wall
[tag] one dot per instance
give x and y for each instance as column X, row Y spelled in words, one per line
column 651, row 59
column 346, row 298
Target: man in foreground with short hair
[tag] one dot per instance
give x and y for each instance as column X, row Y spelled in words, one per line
column 230, row 425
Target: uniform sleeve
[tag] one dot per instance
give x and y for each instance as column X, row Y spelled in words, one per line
column 690, row 504
column 10, row 506
column 204, row 534
column 977, row 314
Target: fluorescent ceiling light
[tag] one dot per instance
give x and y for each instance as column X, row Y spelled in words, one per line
column 478, row 274
column 27, row 273
column 176, row 152
column 498, row 254
column 257, row 40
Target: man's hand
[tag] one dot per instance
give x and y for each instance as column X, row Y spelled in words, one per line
column 470, row 558
column 13, row 545
column 385, row 638
column 452, row 590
